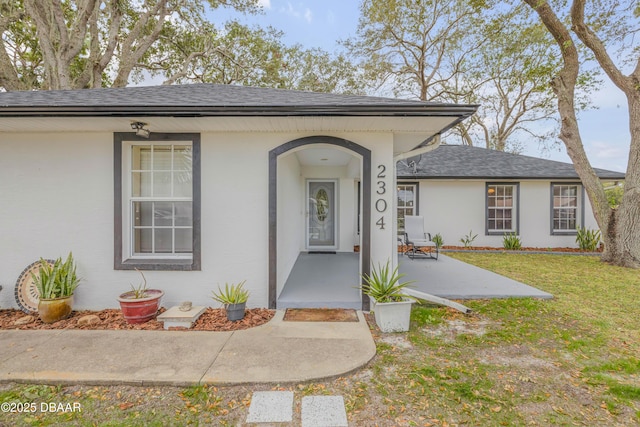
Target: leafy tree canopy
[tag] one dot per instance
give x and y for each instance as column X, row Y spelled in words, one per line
column 73, row 44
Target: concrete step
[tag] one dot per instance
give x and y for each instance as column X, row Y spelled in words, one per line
column 276, row 407
column 282, row 304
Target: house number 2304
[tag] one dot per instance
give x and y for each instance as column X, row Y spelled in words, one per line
column 381, row 204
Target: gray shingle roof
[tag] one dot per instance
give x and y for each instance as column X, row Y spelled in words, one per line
column 212, row 99
column 465, row 162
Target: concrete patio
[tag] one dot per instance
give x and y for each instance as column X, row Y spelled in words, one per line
column 453, row 279
column 331, row 281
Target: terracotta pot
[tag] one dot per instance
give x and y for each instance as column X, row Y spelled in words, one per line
column 52, row 310
column 235, row 311
column 140, row 310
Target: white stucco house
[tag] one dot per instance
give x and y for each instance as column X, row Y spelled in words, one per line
column 462, row 189
column 217, row 184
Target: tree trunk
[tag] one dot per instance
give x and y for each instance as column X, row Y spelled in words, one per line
column 625, row 244
column 622, row 235
column 620, row 228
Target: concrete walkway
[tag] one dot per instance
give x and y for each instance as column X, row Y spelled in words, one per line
column 276, row 352
column 453, row 279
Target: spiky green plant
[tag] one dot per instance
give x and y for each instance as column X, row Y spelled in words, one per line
column 383, row 285
column 587, row 239
column 511, row 241
column 232, row 294
column 57, row 279
column 45, row 280
column 139, row 291
column 468, row 239
column 437, row 239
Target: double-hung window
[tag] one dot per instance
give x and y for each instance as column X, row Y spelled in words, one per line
column 502, row 208
column 566, row 210
column 407, row 194
column 158, row 193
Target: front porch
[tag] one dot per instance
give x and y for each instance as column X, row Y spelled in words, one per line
column 323, row 280
column 332, row 280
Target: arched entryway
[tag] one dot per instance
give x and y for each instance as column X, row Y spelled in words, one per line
column 365, row 202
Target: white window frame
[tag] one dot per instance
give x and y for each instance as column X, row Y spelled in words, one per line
column 579, row 208
column 130, row 200
column 515, row 210
column 405, row 208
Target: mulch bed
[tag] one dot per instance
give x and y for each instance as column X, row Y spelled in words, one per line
column 213, row 319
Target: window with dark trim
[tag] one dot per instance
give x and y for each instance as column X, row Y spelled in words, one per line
column 566, row 208
column 407, row 195
column 502, row 208
column 157, row 201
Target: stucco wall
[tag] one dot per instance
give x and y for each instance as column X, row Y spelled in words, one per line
column 290, row 215
column 57, row 196
column 454, row 208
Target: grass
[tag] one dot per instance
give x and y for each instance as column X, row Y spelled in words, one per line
column 572, row 360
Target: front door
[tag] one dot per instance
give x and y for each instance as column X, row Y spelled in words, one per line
column 322, row 212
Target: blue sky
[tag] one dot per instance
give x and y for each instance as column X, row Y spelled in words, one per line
column 321, row 23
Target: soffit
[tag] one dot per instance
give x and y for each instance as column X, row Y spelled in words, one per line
column 408, row 132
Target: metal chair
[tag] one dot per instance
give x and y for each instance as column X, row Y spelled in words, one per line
column 418, row 241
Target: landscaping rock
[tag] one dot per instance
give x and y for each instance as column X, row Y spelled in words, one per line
column 89, row 319
column 24, row 320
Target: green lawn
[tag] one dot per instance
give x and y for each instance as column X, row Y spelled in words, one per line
column 573, row 360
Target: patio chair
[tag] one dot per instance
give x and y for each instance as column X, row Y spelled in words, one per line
column 417, row 241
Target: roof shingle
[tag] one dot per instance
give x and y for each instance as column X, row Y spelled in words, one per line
column 465, row 162
column 210, row 99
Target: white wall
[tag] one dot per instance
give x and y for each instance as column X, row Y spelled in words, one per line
column 56, row 196
column 454, row 207
column 235, row 202
column 290, row 216
column 383, row 194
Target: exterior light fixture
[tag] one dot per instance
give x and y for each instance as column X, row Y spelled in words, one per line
column 140, row 130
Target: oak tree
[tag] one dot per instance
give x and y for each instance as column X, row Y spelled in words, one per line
column 74, row 44
column 609, row 30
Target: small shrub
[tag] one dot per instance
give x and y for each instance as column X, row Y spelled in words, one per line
column 437, row 239
column 57, row 279
column 587, row 239
column 232, row 294
column 614, row 195
column 384, row 285
column 511, row 241
column 468, row 239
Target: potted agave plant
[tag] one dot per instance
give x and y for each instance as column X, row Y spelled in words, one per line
column 56, row 282
column 140, row 304
column 234, row 298
column 391, row 306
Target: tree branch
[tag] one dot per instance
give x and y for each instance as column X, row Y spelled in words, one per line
column 593, row 42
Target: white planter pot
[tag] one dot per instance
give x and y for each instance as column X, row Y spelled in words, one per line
column 393, row 316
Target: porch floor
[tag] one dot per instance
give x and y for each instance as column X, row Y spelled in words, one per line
column 453, row 279
column 323, row 281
